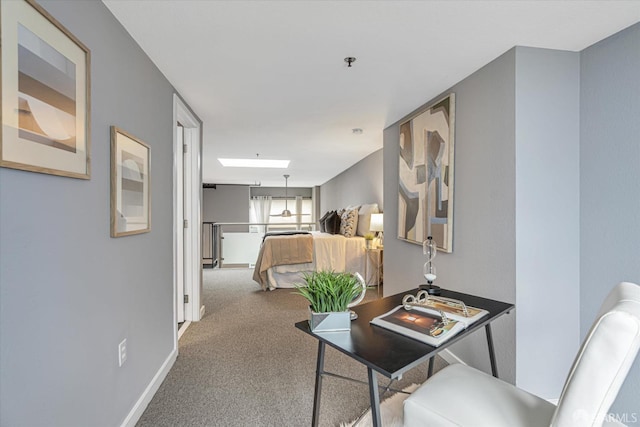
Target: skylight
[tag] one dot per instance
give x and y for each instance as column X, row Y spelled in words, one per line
column 254, row 163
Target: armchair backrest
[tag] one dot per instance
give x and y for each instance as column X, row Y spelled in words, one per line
column 604, row 359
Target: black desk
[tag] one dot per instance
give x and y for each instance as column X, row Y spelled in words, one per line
column 390, row 353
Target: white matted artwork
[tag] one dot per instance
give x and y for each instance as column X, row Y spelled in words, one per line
column 425, row 193
column 130, row 182
column 45, row 94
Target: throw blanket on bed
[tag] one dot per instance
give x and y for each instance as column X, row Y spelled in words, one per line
column 279, row 250
column 284, row 233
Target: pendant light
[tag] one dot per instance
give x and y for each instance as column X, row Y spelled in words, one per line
column 286, row 213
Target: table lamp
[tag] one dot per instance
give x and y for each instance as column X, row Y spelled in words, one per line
column 377, row 225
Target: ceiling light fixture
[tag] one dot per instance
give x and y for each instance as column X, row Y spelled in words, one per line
column 286, row 213
column 254, row 163
column 349, row 60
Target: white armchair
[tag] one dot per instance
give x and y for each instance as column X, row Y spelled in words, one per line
column 463, row 396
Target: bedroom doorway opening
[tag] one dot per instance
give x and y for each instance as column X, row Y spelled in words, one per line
column 187, row 218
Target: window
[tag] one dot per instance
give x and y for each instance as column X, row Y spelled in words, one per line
column 300, row 213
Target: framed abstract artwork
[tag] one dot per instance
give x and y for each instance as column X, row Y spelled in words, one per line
column 45, row 94
column 130, row 185
column 425, row 193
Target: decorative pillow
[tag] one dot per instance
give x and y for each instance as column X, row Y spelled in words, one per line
column 332, row 223
column 349, row 223
column 364, row 218
column 328, row 222
column 321, row 221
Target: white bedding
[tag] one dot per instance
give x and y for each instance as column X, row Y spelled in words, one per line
column 330, row 252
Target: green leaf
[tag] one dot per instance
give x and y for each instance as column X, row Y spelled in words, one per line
column 329, row 291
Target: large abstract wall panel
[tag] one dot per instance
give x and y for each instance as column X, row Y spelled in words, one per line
column 425, row 193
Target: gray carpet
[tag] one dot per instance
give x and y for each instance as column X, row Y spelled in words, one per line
column 245, row 364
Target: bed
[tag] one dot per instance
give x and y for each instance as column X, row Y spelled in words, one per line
column 284, row 260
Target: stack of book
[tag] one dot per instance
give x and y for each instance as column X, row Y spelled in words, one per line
column 430, row 319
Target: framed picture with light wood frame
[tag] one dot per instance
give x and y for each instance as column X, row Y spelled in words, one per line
column 45, row 77
column 130, row 185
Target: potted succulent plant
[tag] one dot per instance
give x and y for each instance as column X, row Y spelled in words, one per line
column 330, row 295
column 368, row 240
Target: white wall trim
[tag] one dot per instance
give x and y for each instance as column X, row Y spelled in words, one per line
column 138, row 409
column 176, row 267
column 183, row 329
column 450, row 357
column 202, row 311
column 195, row 223
column 193, row 266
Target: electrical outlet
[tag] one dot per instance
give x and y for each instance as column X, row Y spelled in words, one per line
column 122, row 352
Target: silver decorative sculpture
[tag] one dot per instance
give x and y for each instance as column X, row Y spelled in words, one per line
column 429, row 269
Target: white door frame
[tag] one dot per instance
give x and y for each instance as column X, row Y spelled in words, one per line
column 191, row 267
column 179, row 236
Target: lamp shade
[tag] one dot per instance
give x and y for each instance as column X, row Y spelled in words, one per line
column 377, row 223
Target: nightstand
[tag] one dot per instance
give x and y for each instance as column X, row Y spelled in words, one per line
column 373, row 266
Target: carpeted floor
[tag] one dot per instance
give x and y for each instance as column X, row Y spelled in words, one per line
column 245, row 364
column 391, row 411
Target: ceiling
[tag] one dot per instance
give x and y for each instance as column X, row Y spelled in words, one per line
column 269, row 77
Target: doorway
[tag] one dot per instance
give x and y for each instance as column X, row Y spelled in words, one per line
column 187, row 218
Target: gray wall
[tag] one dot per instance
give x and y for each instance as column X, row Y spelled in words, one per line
column 70, row 293
column 360, row 184
column 230, row 203
column 547, row 216
column 305, row 192
column 610, row 180
column 516, row 211
column 483, row 258
column 226, row 203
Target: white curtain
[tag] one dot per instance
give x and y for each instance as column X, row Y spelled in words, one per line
column 298, row 210
column 260, row 210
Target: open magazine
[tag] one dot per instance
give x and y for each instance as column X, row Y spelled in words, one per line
column 430, row 319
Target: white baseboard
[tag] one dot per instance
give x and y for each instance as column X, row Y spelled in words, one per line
column 202, row 312
column 450, row 358
column 142, row 403
column 183, row 328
